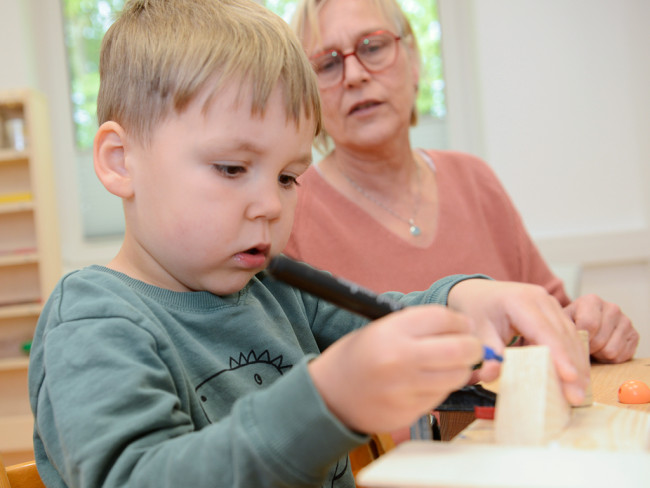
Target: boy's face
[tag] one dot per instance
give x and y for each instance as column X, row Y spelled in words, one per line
column 214, row 194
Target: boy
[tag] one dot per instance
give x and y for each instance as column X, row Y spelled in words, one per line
column 182, row 363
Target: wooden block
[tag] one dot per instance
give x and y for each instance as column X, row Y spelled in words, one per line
column 530, row 406
column 589, row 397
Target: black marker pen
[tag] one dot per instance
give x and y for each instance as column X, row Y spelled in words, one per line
column 338, row 291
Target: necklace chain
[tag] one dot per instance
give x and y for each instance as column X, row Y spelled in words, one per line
column 413, row 228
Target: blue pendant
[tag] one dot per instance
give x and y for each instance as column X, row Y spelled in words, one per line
column 414, row 229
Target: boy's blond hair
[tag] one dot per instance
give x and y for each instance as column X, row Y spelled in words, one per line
column 305, row 22
column 159, row 54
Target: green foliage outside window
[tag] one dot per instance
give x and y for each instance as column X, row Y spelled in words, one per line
column 423, row 15
column 86, row 21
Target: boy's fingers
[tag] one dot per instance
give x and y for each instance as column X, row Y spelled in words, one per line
column 428, row 320
column 435, row 337
column 447, row 352
column 436, row 381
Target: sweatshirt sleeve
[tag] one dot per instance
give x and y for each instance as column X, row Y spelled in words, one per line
column 330, row 322
column 438, row 292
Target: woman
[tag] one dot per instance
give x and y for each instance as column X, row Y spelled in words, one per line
column 390, row 217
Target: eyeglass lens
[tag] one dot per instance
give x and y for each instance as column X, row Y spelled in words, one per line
column 375, row 52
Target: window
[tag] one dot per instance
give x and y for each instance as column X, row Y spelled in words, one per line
column 86, row 21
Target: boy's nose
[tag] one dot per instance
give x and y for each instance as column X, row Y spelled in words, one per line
column 266, row 204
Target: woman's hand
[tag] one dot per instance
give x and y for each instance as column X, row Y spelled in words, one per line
column 502, row 310
column 612, row 337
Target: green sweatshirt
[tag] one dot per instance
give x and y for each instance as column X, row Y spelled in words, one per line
column 134, row 385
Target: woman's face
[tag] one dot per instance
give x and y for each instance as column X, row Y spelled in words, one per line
column 365, row 109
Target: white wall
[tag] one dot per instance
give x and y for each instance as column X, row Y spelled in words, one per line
column 552, row 93
column 560, row 90
column 571, row 73
column 555, row 95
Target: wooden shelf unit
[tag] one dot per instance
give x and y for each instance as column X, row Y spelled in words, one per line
column 30, row 257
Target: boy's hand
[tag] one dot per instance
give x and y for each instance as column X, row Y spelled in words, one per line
column 612, row 337
column 502, row 310
column 387, row 374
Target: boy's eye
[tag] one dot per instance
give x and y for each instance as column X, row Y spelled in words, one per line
column 228, row 170
column 288, row 181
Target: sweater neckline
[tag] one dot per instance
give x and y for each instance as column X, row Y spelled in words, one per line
column 187, row 300
column 354, row 208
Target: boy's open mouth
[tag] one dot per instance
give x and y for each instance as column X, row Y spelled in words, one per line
column 254, row 258
column 260, row 249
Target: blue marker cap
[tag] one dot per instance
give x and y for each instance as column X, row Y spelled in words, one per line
column 488, row 353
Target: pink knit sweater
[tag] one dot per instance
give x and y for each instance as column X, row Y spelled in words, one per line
column 478, row 231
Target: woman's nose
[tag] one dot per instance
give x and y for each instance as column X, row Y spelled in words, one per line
column 353, row 71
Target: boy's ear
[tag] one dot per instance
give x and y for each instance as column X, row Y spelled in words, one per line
column 110, row 159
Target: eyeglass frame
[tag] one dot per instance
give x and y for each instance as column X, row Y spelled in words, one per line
column 343, row 56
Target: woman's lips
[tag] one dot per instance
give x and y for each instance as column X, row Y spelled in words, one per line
column 363, row 106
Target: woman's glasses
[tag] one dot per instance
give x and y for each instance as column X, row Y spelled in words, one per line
column 375, row 52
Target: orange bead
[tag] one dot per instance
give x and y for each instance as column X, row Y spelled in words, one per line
column 634, row 391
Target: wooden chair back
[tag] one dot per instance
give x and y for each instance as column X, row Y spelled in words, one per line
column 363, row 455
column 23, row 475
column 4, row 481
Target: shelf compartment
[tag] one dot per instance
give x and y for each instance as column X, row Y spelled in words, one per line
column 17, row 138
column 14, row 177
column 13, row 378
column 19, row 283
column 17, row 231
column 15, row 332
